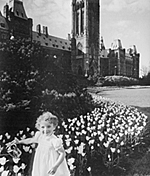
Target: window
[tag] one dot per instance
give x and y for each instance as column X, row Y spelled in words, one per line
column 3, row 36
column 82, row 21
column 2, row 25
column 17, row 12
column 77, row 23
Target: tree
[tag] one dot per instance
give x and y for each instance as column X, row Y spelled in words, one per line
column 31, row 82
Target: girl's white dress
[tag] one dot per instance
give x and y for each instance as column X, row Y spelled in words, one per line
column 46, row 155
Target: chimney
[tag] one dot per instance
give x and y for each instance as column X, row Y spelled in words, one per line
column 38, row 29
column 69, row 37
column 45, row 30
column 6, row 11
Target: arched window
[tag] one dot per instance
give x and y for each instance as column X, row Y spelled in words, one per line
column 91, row 71
column 77, row 23
column 79, row 49
column 82, row 20
column 80, row 70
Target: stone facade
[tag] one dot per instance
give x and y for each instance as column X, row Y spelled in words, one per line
column 15, row 24
column 120, row 61
column 83, row 53
column 85, row 37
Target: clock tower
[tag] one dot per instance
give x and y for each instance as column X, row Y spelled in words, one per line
column 85, row 37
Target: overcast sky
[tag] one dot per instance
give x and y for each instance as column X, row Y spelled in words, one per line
column 127, row 20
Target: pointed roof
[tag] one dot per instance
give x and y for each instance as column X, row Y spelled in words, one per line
column 116, row 44
column 102, row 46
column 17, row 8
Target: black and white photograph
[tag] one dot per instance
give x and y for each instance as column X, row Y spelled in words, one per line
column 74, row 88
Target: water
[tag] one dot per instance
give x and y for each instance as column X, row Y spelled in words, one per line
column 139, row 96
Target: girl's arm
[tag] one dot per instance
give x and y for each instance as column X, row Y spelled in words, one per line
column 26, row 141
column 31, row 140
column 60, row 159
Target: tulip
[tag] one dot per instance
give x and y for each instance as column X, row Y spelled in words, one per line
column 69, row 150
column 1, row 168
column 112, row 150
column 89, row 169
column 5, row 173
column 3, row 161
column 16, row 160
column 23, row 166
column 16, row 169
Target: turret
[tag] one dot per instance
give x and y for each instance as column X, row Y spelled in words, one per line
column 102, row 47
column 116, row 44
column 6, row 11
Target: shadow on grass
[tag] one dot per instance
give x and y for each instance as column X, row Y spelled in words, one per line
column 145, row 110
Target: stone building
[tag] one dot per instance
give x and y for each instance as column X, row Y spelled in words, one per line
column 14, row 23
column 83, row 53
column 85, row 37
column 4, row 29
column 119, row 61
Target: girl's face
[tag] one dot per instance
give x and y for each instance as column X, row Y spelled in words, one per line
column 47, row 128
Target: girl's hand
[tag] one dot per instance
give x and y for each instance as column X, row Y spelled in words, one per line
column 15, row 141
column 52, row 170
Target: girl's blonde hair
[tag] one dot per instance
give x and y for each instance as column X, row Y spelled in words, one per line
column 46, row 117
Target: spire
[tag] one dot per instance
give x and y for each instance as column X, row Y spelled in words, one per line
column 17, row 8
column 134, row 49
column 73, row 2
column 116, row 44
column 102, row 47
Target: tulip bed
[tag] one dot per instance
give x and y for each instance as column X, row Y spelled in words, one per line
column 95, row 143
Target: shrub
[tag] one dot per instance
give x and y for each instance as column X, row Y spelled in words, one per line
column 117, row 81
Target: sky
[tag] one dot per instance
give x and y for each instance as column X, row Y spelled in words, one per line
column 127, row 20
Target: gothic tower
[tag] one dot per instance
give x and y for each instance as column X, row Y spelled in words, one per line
column 85, row 37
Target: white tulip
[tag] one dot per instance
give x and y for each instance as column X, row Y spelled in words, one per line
column 23, row 166
column 3, row 161
column 16, row 169
column 5, row 173
column 89, row 169
column 1, row 136
column 112, row 150
column 16, row 160
column 1, row 168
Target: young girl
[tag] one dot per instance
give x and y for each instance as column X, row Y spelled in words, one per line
column 49, row 158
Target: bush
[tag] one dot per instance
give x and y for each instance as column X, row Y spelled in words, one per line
column 31, row 83
column 117, row 81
